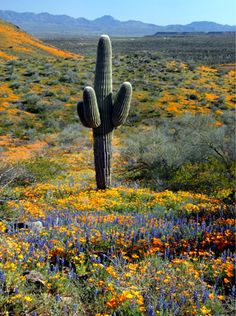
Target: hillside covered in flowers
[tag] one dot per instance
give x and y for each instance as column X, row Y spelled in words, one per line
column 15, row 42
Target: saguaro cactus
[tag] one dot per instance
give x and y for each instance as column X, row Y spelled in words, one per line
column 99, row 112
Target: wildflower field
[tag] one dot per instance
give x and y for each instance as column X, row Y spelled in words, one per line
column 142, row 247
column 123, row 251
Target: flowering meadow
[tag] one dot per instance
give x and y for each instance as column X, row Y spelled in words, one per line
column 120, row 252
column 123, row 251
column 131, row 250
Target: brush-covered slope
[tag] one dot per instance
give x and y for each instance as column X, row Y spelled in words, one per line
column 14, row 43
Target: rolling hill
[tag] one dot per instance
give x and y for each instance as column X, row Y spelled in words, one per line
column 198, row 27
column 45, row 24
column 14, row 42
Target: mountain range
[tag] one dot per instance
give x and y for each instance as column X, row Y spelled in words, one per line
column 46, row 25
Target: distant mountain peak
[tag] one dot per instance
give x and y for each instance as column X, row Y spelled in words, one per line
column 203, row 22
column 106, row 18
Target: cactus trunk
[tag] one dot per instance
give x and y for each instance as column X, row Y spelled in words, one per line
column 98, row 111
column 103, row 134
column 102, row 158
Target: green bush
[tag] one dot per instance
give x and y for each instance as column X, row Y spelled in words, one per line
column 70, row 135
column 36, row 108
column 188, row 152
column 15, row 85
column 10, row 174
column 38, row 169
column 33, row 104
column 202, row 177
column 41, row 169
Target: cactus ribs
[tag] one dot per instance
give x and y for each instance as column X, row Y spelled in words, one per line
column 98, row 111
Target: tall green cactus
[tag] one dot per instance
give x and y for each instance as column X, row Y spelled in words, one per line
column 98, row 111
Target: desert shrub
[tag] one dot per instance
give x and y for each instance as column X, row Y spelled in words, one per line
column 69, row 77
column 31, row 98
column 64, row 98
column 32, row 103
column 50, row 125
column 48, row 93
column 53, row 82
column 180, row 149
column 29, row 72
column 38, row 169
column 15, row 85
column 10, row 174
column 35, row 108
column 5, row 124
column 29, row 134
column 24, row 124
column 11, row 77
column 203, row 177
column 42, row 168
column 70, row 135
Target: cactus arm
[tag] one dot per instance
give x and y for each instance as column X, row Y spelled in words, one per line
column 80, row 111
column 90, row 107
column 122, row 104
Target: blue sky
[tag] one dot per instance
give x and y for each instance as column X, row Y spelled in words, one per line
column 161, row 12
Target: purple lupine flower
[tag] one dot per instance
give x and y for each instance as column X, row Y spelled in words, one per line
column 74, row 306
column 62, row 261
column 176, row 308
column 158, row 306
column 182, row 299
column 58, row 298
column 2, row 277
column 233, row 291
column 150, row 311
column 205, row 296
column 164, row 305
column 64, row 309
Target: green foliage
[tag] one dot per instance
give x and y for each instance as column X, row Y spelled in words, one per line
column 72, row 134
column 15, row 85
column 31, row 103
column 41, row 169
column 70, row 77
column 10, row 174
column 189, row 152
column 38, row 169
column 202, row 177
